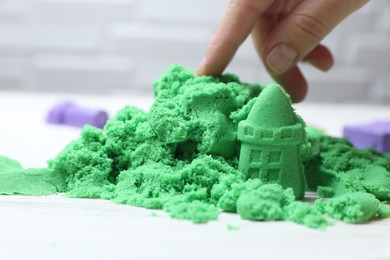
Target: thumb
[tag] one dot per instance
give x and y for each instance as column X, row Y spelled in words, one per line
column 302, row 30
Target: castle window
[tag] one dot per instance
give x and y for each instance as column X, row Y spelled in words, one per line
column 286, row 134
column 253, row 172
column 255, row 156
column 274, row 156
column 248, row 131
column 271, row 175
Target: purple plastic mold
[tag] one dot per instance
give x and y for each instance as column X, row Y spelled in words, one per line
column 375, row 135
column 67, row 113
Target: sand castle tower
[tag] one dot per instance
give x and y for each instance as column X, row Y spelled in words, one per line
column 270, row 139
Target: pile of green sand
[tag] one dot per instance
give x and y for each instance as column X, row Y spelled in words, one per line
column 34, row 181
column 182, row 157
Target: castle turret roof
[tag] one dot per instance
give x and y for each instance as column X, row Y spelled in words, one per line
column 272, row 108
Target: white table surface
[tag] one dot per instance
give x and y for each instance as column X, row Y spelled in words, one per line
column 54, row 227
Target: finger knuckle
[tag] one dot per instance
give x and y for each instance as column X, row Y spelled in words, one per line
column 311, row 26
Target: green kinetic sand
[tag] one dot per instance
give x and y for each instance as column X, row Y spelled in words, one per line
column 353, row 207
column 8, row 164
column 16, row 180
column 338, row 169
column 215, row 144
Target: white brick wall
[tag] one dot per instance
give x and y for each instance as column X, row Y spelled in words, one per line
column 106, row 46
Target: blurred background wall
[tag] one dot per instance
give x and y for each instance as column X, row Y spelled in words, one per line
column 121, row 46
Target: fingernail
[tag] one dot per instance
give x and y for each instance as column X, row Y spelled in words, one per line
column 281, row 58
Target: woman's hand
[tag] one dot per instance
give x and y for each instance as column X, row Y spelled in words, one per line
column 284, row 33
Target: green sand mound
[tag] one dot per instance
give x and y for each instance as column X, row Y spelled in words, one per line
column 182, row 156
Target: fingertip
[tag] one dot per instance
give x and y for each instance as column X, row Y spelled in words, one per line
column 237, row 23
column 209, row 69
column 294, row 83
column 200, row 70
column 321, row 58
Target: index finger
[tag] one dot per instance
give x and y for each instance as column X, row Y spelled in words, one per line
column 235, row 26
